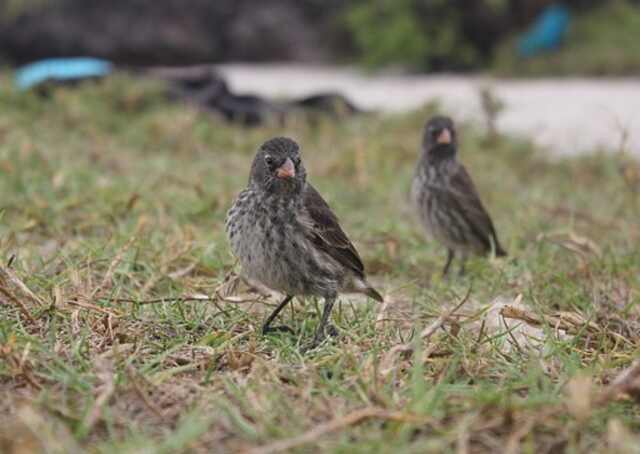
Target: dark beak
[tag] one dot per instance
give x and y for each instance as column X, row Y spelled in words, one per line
column 286, row 170
column 444, row 137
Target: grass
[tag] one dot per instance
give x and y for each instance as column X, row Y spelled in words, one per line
column 110, row 193
column 600, row 42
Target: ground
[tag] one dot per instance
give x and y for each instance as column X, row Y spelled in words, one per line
column 120, row 330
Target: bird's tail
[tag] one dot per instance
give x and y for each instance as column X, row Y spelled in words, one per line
column 360, row 285
column 373, row 293
column 498, row 249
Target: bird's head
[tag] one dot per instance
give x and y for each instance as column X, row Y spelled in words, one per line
column 440, row 137
column 277, row 167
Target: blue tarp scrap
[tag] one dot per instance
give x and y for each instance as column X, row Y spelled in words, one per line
column 546, row 33
column 61, row 69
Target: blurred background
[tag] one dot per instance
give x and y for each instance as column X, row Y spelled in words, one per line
column 385, row 54
column 516, row 37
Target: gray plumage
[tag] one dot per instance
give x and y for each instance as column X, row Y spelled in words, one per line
column 286, row 236
column 446, row 199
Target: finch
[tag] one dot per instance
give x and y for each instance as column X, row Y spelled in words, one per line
column 286, row 237
column 446, row 199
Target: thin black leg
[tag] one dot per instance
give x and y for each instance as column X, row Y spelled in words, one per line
column 320, row 332
column 266, row 328
column 450, row 255
column 463, row 262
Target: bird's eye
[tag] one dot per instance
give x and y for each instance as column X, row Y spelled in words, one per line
column 296, row 160
column 268, row 160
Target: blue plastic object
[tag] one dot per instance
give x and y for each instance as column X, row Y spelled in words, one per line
column 546, row 33
column 61, row 69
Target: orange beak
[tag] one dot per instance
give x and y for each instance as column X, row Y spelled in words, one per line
column 286, row 170
column 445, row 136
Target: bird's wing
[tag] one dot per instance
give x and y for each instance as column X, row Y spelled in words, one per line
column 465, row 196
column 322, row 227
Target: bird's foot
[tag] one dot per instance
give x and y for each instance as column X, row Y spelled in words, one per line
column 311, row 345
column 277, row 329
column 320, row 337
column 332, row 331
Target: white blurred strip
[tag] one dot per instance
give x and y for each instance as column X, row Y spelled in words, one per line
column 565, row 115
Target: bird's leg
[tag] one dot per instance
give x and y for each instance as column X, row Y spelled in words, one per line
column 450, row 255
column 461, row 271
column 266, row 328
column 320, row 331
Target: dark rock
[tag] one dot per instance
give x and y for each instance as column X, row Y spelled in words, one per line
column 163, row 32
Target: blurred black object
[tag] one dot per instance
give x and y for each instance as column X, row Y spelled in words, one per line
column 205, row 88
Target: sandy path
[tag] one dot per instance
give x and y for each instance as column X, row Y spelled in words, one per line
column 567, row 115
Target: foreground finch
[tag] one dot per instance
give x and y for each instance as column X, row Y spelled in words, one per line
column 286, row 237
column 446, row 198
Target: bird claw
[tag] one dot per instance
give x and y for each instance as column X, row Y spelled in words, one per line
column 332, row 331
column 329, row 331
column 311, row 346
column 277, row 329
